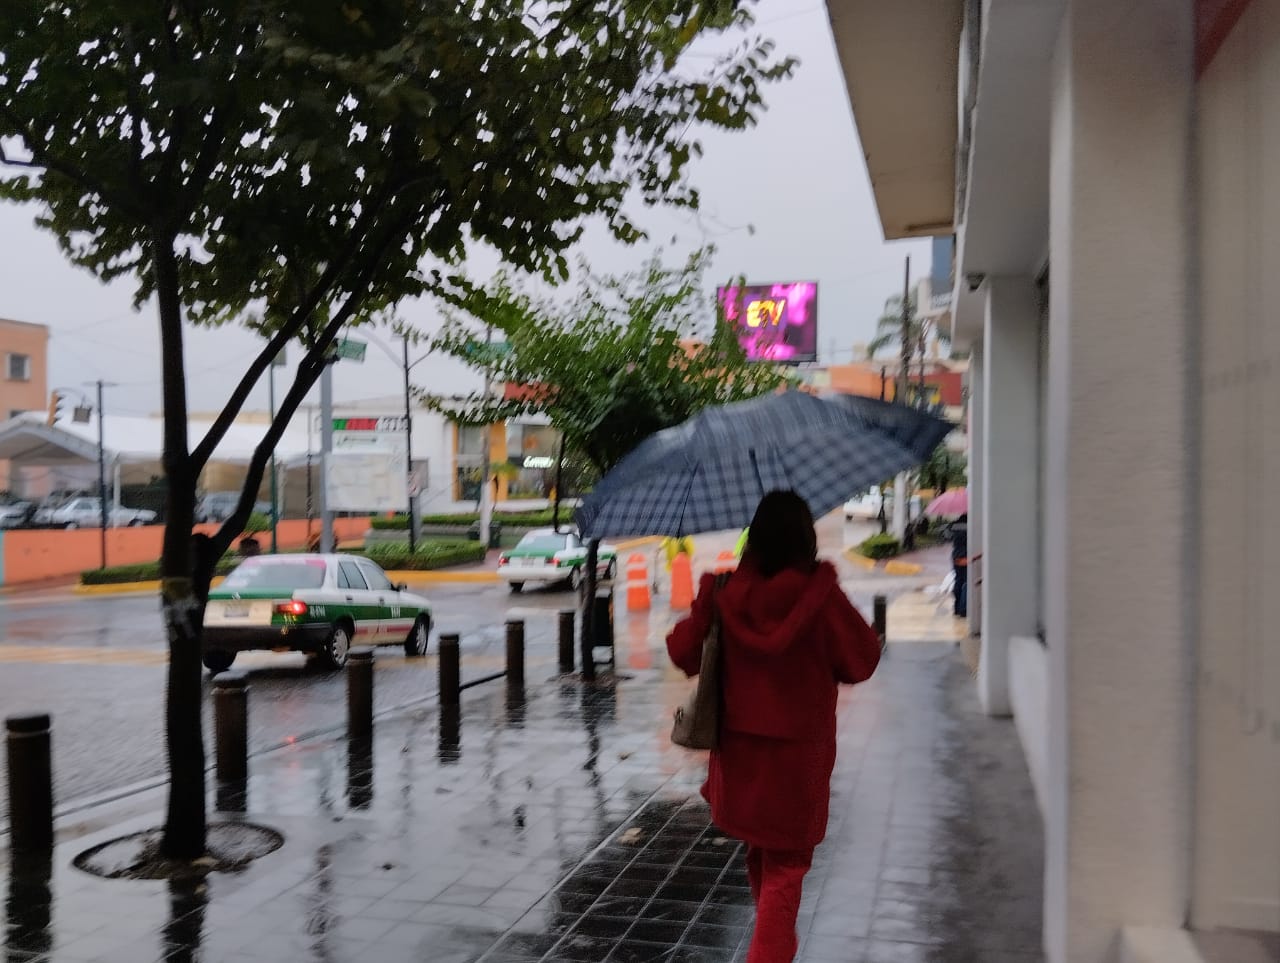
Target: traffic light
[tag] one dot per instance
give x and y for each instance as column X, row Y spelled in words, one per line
column 55, row 407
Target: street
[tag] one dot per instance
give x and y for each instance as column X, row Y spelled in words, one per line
column 97, row 664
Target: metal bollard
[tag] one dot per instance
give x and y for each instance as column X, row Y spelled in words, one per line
column 29, row 748
column 566, row 640
column 450, row 670
column 515, row 653
column 360, row 693
column 880, row 617
column 231, row 725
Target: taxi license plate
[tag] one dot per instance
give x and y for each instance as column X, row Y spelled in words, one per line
column 530, row 562
column 232, row 611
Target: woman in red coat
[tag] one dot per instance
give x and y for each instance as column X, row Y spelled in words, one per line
column 789, row 636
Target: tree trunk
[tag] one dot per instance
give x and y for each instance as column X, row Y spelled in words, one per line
column 555, row 507
column 185, row 572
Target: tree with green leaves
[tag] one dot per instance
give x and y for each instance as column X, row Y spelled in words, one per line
column 609, row 364
column 297, row 168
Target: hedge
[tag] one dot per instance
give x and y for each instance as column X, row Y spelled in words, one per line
column 432, row 553
column 143, row 572
column 531, row 519
column 879, row 546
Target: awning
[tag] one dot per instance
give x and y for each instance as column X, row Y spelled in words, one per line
column 900, row 62
column 28, row 440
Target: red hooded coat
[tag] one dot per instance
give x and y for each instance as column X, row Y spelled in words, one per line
column 787, row 641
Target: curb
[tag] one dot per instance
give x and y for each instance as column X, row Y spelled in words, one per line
column 126, row 588
column 891, row 566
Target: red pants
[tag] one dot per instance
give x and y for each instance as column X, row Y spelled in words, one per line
column 776, row 877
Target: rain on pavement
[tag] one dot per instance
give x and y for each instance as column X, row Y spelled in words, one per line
column 97, row 664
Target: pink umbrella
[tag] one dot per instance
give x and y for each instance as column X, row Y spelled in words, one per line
column 953, row 502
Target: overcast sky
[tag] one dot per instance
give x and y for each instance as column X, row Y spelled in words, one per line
column 798, row 178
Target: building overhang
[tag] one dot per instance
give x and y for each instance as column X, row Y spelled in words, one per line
column 1004, row 223
column 900, row 62
column 32, row 443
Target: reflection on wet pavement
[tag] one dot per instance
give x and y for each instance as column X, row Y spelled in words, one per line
column 564, row 827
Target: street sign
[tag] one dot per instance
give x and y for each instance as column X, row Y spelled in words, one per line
column 350, row 349
column 279, row 360
column 487, row 352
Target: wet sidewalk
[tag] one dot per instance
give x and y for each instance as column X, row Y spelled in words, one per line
column 563, row 826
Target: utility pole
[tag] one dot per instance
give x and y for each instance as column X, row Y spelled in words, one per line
column 276, row 362
column 904, row 383
column 408, row 453
column 102, row 477
column 486, row 452
column 326, row 455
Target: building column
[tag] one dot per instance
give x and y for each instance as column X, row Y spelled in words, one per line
column 1011, row 431
column 977, row 487
column 1116, row 562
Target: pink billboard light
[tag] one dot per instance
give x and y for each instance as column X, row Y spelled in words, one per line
column 774, row 322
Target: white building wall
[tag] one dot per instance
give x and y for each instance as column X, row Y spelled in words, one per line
column 1238, row 759
column 1010, row 450
column 977, row 487
column 1118, row 815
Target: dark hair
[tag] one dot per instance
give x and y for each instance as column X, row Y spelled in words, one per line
column 782, row 535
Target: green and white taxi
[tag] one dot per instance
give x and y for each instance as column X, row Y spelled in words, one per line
column 545, row 555
column 318, row 604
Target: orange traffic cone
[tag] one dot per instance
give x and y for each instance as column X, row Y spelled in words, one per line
column 681, row 582
column 725, row 562
column 637, row 584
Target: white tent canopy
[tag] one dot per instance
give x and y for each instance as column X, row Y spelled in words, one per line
column 129, row 439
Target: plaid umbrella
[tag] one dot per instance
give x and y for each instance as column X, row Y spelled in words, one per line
column 709, row 473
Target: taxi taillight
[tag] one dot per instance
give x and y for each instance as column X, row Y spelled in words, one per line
column 292, row 608
column 503, row 560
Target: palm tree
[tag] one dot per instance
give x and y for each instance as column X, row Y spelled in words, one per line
column 889, row 328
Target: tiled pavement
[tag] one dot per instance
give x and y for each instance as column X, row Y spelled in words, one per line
column 563, row 826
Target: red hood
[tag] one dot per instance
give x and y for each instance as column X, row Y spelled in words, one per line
column 769, row 614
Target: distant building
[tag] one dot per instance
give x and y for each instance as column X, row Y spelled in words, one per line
column 25, row 382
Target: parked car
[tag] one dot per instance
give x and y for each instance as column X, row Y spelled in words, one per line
column 218, row 506
column 318, row 604
column 867, row 505
column 864, row 505
column 16, row 514
column 42, row 517
column 86, row 512
column 545, row 555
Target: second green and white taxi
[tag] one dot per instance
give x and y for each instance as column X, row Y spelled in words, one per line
column 545, row 555
column 318, row 604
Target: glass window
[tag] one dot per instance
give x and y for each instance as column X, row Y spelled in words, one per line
column 349, row 576
column 470, row 440
column 19, row 367
column 374, row 577
column 277, row 573
column 543, row 543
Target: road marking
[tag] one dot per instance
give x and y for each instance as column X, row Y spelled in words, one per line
column 74, row 655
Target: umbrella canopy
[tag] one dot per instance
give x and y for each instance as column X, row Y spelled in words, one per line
column 953, row 502
column 710, row 472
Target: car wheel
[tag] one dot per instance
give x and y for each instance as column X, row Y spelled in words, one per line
column 337, row 647
column 516, row 587
column 72, row 525
column 218, row 660
column 137, row 523
column 415, row 645
column 575, row 578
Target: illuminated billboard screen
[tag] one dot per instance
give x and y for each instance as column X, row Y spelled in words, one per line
column 775, row 322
